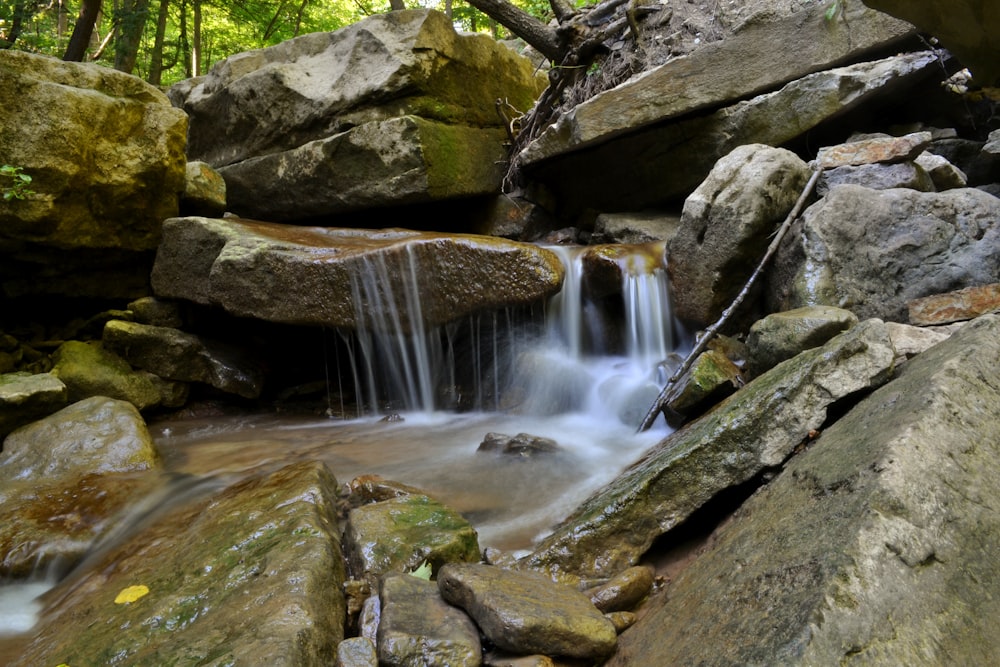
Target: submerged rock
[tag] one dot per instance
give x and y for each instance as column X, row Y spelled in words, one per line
column 875, row 546
column 347, row 278
column 253, row 575
column 526, row 613
column 753, row 430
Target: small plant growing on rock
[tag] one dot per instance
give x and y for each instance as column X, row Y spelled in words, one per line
column 17, row 187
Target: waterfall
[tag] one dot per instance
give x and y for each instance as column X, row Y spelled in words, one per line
column 508, row 359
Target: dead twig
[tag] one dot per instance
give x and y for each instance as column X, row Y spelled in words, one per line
column 666, row 394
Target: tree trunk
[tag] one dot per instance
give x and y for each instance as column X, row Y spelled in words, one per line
column 396, row 5
column 18, row 16
column 525, row 26
column 196, row 39
column 83, row 31
column 156, row 56
column 133, row 21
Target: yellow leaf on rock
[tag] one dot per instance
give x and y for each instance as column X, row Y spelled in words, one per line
column 131, row 594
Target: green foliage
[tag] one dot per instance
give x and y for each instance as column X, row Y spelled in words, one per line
column 15, row 183
column 832, row 10
column 227, row 26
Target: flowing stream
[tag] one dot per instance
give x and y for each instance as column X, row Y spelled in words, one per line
column 580, row 377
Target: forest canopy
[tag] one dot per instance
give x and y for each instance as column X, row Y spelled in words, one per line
column 164, row 41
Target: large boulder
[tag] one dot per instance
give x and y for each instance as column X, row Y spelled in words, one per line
column 753, row 430
column 725, row 228
column 395, row 109
column 875, row 546
column 106, row 154
column 250, row 575
column 872, row 251
column 968, row 28
column 344, row 277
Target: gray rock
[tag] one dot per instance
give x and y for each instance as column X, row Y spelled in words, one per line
column 874, row 546
column 943, row 173
column 204, row 190
column 96, row 435
column 397, row 161
column 725, row 226
column 878, row 177
column 781, row 336
column 643, row 227
column 522, row 445
column 526, row 613
column 356, row 652
column 399, row 534
column 346, row 278
column 176, row 355
column 250, row 575
column 25, row 397
column 419, row 628
column 764, row 55
column 751, row 431
column 873, row 251
column 107, row 165
column 967, row 28
column 675, row 157
column 909, row 341
column 395, row 109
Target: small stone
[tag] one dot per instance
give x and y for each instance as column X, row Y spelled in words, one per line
column 356, row 652
column 870, row 151
column 622, row 620
column 624, row 591
column 523, row 445
column 963, row 304
column 943, row 173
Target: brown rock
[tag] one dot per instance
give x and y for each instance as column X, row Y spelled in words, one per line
column 963, row 304
column 870, row 151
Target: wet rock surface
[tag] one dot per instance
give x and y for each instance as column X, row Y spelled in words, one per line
column 399, row 534
column 417, row 627
column 783, row 335
column 344, row 277
column 751, row 431
column 874, row 545
column 251, row 576
column 527, row 613
column 184, row 357
column 25, row 397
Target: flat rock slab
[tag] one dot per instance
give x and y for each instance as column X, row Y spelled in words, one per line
column 417, row 627
column 24, row 397
column 756, row 428
column 963, row 304
column 526, row 613
column 251, row 576
column 666, row 161
column 877, row 545
column 759, row 58
column 347, row 278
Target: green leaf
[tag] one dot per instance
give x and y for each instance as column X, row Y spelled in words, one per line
column 831, row 11
column 422, row 572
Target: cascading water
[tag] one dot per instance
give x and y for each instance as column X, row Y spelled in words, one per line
column 570, row 373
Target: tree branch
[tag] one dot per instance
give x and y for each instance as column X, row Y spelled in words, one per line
column 667, row 393
column 525, row 26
